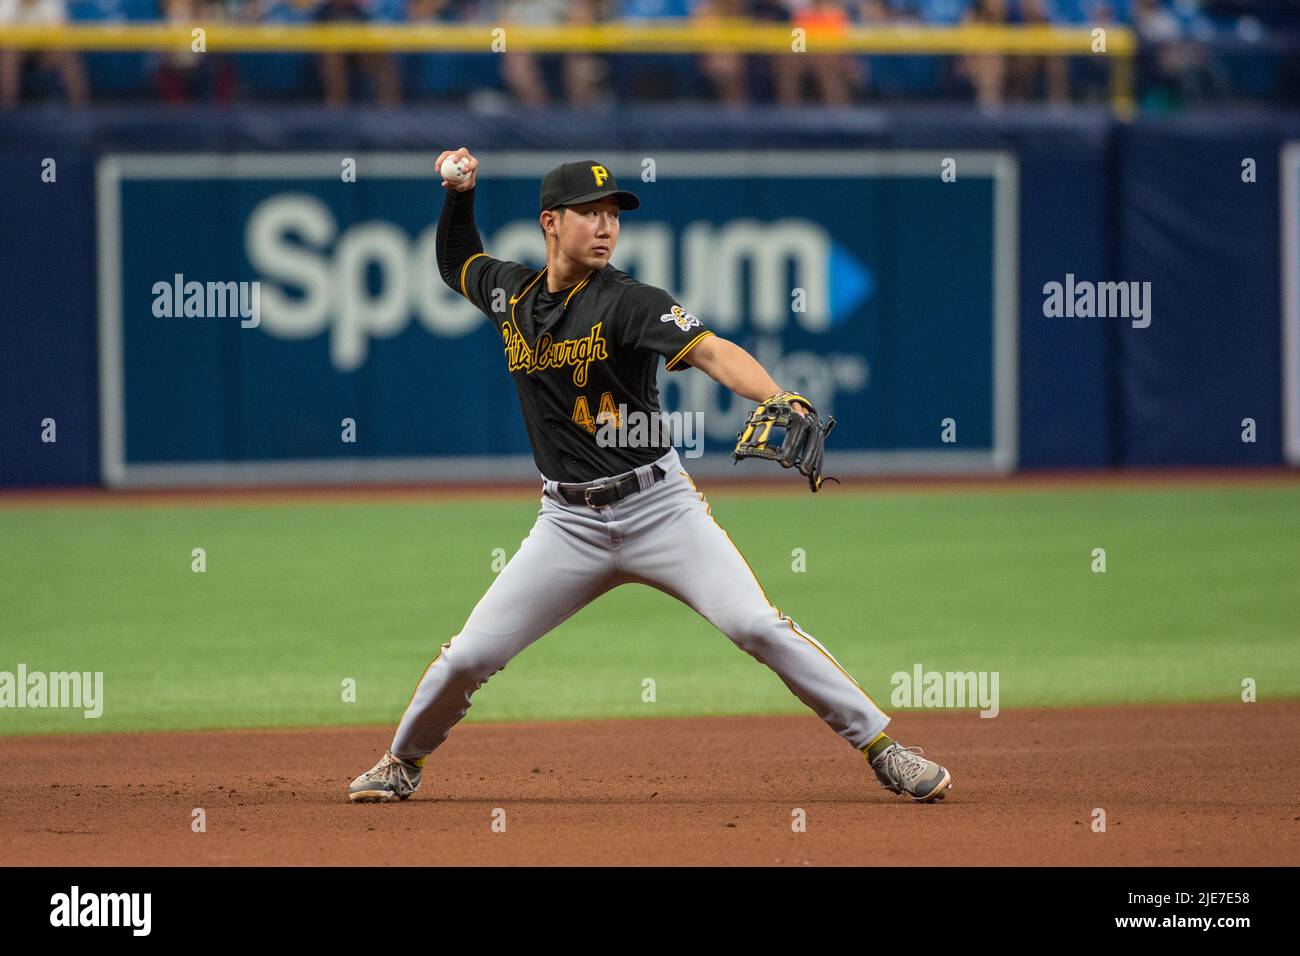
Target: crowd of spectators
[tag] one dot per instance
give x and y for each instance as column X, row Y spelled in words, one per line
column 1175, row 29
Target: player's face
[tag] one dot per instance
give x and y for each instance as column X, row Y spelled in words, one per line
column 589, row 231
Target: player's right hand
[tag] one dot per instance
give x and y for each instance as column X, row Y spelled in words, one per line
column 461, row 185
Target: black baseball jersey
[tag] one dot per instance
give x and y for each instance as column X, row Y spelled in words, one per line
column 583, row 357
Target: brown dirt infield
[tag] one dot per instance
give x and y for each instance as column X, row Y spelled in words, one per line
column 1182, row 785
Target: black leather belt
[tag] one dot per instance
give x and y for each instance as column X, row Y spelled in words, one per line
column 602, row 493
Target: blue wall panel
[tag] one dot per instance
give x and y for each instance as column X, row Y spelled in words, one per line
column 1158, row 200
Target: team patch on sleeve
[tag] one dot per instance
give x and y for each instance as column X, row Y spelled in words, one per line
column 679, row 315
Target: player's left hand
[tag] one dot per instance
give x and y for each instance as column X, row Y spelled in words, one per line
column 802, row 436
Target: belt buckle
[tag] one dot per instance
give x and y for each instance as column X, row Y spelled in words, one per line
column 586, row 494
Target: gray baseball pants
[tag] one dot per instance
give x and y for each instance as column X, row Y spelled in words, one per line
column 663, row 536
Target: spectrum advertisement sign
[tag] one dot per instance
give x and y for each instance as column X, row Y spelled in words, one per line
column 264, row 319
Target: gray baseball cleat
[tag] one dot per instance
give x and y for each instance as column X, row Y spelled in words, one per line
column 902, row 770
column 389, row 780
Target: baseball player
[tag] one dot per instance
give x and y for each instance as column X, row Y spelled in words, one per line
column 583, row 341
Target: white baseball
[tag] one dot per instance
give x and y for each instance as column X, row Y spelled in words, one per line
column 454, row 168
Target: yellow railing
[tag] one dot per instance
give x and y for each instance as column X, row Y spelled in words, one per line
column 740, row 36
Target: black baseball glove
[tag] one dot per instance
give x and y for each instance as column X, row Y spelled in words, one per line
column 798, row 443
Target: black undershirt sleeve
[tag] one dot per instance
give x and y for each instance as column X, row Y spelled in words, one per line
column 458, row 237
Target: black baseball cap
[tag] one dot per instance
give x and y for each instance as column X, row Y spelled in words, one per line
column 573, row 183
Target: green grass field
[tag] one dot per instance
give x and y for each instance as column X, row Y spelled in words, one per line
column 1202, row 589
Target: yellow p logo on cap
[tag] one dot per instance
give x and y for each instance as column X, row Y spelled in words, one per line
column 600, row 173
